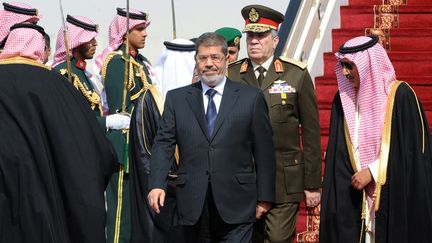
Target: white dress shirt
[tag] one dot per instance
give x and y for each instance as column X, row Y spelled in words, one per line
column 217, row 98
column 266, row 65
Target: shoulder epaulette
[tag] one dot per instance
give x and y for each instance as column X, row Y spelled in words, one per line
column 237, row 62
column 91, row 96
column 75, row 78
column 107, row 60
column 298, row 63
column 244, row 64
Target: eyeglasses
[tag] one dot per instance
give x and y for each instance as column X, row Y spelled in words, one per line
column 347, row 65
column 213, row 58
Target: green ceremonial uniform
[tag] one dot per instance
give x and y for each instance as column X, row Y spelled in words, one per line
column 290, row 96
column 117, row 193
column 84, row 85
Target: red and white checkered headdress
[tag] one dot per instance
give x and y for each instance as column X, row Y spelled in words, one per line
column 25, row 40
column 376, row 76
column 117, row 31
column 15, row 13
column 80, row 30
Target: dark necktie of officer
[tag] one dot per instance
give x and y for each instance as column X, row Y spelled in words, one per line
column 211, row 111
column 261, row 71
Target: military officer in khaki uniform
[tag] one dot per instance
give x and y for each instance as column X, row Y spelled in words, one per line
column 290, row 96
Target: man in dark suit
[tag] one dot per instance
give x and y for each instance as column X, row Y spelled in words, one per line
column 227, row 164
column 290, row 95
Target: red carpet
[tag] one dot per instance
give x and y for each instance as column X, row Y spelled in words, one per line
column 401, row 39
column 410, row 50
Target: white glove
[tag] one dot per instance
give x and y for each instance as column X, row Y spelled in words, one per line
column 117, row 121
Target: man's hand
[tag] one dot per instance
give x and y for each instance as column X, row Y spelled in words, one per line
column 313, row 197
column 117, row 121
column 262, row 208
column 361, row 179
column 156, row 198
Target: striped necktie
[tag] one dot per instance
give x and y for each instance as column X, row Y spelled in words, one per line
column 211, row 111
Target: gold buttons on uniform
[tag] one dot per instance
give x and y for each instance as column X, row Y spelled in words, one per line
column 283, row 97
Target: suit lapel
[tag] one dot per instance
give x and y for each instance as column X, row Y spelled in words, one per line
column 229, row 98
column 196, row 104
column 270, row 77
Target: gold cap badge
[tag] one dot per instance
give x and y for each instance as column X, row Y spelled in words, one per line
column 236, row 40
column 253, row 15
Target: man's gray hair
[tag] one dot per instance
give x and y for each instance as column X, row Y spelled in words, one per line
column 274, row 33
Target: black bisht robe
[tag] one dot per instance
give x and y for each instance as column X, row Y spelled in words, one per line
column 54, row 160
column 145, row 224
column 405, row 212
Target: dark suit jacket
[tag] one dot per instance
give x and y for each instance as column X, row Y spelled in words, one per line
column 238, row 159
column 298, row 163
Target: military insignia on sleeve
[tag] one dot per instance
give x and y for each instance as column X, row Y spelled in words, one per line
column 278, row 66
column 253, row 15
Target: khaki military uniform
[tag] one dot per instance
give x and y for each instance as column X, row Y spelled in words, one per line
column 293, row 111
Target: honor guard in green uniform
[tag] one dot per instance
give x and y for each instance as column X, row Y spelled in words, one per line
column 290, row 96
column 131, row 84
column 81, row 37
column 232, row 36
